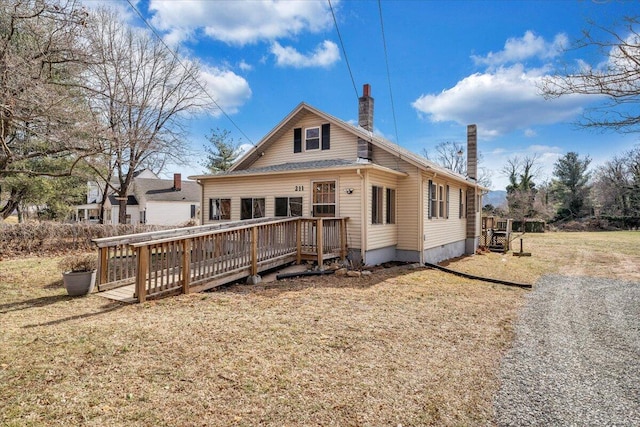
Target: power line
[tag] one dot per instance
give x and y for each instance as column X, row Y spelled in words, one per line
column 386, row 58
column 344, row 51
column 175, row 56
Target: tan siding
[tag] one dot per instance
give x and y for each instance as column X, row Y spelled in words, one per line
column 409, row 211
column 343, row 146
column 441, row 231
column 270, row 187
column 381, row 235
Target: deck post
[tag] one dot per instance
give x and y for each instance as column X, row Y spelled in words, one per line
column 319, row 242
column 299, row 241
column 254, row 250
column 141, row 279
column 343, row 238
column 102, row 264
column 186, row 265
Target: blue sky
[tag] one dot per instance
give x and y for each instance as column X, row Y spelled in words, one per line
column 451, row 63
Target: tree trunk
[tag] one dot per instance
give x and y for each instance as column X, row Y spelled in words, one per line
column 12, row 203
column 122, row 215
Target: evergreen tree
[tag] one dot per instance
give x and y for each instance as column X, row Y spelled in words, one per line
column 222, row 151
column 571, row 187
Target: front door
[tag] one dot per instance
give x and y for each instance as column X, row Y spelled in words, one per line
column 324, row 198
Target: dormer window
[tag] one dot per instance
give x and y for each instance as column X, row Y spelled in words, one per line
column 312, row 138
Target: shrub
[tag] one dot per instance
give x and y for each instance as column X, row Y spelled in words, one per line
column 76, row 263
column 49, row 237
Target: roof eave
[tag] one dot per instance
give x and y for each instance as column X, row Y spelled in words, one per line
column 200, row 178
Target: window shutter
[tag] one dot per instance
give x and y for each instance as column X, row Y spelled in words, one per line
column 429, row 213
column 297, row 140
column 326, row 138
column 447, row 214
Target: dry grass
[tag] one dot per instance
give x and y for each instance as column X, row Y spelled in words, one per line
column 410, row 347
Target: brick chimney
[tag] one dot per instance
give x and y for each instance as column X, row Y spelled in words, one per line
column 472, row 239
column 365, row 120
column 472, row 152
column 177, row 182
column 365, row 108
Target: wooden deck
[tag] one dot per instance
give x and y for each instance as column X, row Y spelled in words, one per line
column 134, row 268
column 122, row 294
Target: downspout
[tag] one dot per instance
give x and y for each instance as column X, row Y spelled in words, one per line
column 201, row 202
column 363, row 215
column 421, row 216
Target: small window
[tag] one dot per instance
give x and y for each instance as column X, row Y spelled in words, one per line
column 434, row 201
column 219, row 209
column 441, row 201
column 391, row 206
column 251, row 208
column 376, row 205
column 193, row 211
column 461, row 204
column 288, row 206
column 312, row 138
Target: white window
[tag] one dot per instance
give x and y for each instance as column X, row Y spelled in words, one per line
column 288, row 206
column 376, row 205
column 251, row 208
column 391, row 206
column 324, row 198
column 312, row 138
column 219, row 209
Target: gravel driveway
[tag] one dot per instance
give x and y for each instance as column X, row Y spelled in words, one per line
column 576, row 356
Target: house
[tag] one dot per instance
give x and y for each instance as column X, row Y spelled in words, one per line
column 401, row 206
column 151, row 200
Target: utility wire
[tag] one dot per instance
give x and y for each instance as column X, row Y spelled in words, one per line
column 344, row 51
column 175, row 56
column 386, row 58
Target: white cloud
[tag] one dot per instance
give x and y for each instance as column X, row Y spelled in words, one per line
column 520, row 49
column 245, row 66
column 499, row 102
column 324, row 55
column 530, row 133
column 229, row 90
column 240, row 22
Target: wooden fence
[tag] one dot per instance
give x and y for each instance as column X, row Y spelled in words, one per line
column 199, row 258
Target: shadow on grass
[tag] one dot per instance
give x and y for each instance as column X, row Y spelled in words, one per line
column 105, row 309
column 33, row 303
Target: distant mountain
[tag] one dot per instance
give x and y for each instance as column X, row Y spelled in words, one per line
column 495, row 198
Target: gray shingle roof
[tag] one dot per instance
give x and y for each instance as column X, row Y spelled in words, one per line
column 131, row 200
column 294, row 166
column 161, row 190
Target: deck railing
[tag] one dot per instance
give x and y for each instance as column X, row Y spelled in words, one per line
column 196, row 259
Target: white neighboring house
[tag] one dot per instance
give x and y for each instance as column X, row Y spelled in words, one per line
column 151, row 200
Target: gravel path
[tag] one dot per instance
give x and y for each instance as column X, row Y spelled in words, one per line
column 576, row 356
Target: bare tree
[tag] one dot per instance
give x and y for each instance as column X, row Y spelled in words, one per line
column 616, row 79
column 42, row 111
column 143, row 93
column 616, row 187
column 451, row 155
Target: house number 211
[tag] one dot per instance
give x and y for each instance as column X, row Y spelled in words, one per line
column 299, row 188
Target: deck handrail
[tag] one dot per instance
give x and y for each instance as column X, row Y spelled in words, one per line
column 198, row 259
column 234, row 228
